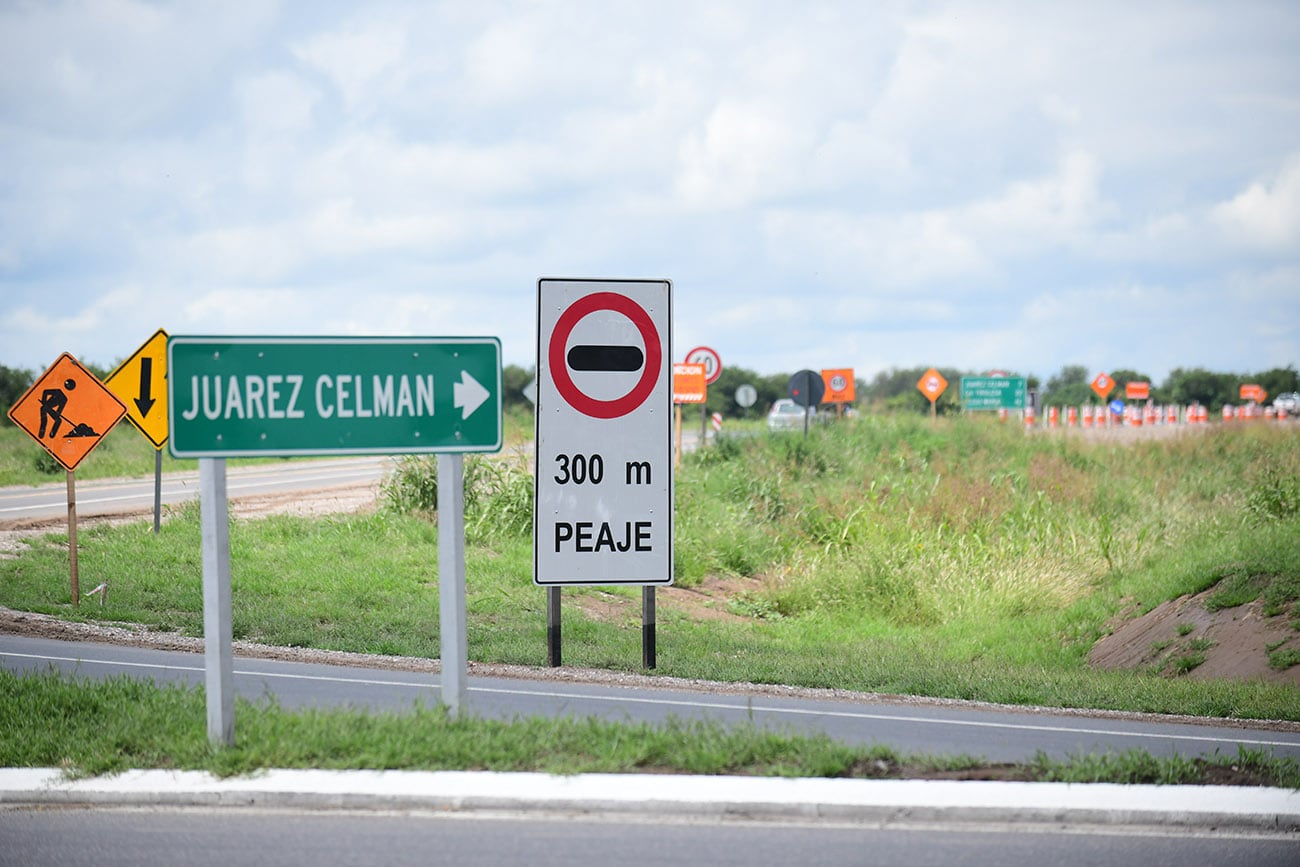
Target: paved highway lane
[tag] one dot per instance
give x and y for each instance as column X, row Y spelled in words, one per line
column 943, row 728
column 117, row 496
column 107, row 838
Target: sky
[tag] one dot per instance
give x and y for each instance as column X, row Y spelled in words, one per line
column 871, row 185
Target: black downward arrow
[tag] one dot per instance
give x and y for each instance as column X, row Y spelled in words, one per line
column 145, row 401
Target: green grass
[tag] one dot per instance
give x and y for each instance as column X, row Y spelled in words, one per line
column 122, row 453
column 960, row 559
column 108, row 726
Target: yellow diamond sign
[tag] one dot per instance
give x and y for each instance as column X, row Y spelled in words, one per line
column 140, row 383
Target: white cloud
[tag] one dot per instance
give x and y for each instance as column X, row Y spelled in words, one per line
column 741, row 157
column 881, row 183
column 276, row 104
column 1266, row 214
column 964, row 242
column 358, row 58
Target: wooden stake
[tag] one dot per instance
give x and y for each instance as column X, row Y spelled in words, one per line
column 72, row 538
column 677, row 452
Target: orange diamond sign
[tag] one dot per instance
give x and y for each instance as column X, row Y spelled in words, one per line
column 932, row 384
column 68, row 411
column 1102, row 384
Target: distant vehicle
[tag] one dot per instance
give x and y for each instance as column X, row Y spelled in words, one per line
column 788, row 415
column 1289, row 402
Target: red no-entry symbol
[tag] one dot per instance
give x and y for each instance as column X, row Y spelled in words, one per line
column 559, row 360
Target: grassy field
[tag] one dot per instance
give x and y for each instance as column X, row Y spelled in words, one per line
column 960, row 559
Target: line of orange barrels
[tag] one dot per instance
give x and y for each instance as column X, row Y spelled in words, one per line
column 1149, row 415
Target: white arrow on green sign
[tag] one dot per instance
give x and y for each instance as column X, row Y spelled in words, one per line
column 242, row 396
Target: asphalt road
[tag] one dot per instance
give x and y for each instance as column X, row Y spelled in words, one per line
column 944, row 728
column 109, row 838
column 104, row 497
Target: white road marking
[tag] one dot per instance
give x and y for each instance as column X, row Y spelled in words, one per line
column 701, row 705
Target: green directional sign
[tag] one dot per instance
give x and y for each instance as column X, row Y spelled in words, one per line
column 243, row 396
column 992, row 392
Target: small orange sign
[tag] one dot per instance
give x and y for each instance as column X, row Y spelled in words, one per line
column 68, row 411
column 1137, row 390
column 1253, row 392
column 1102, row 384
column 932, row 384
column 689, row 383
column 840, row 386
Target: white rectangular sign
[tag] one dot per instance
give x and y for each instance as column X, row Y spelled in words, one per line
column 604, row 493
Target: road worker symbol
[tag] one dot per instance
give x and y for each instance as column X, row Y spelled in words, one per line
column 68, row 411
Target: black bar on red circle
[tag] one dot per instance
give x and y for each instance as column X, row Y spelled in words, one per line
column 606, row 358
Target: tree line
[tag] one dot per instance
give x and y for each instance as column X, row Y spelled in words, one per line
column 1072, row 386
column 891, row 390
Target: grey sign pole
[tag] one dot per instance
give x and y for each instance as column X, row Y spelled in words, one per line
column 451, row 580
column 157, row 491
column 217, row 653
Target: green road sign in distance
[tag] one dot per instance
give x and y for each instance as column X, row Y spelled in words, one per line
column 993, row 392
column 240, row 396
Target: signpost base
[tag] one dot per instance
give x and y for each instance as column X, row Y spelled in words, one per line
column 648, row 627
column 553, row 627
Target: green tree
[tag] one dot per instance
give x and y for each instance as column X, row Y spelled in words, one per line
column 513, row 380
column 1069, row 387
column 14, row 382
column 895, row 390
column 1198, row 385
column 1279, row 380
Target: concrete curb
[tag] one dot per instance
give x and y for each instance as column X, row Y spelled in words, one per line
column 1220, row 807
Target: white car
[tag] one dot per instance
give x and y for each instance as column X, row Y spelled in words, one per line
column 1289, row 402
column 788, row 415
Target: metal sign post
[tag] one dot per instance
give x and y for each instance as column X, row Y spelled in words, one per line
column 68, row 412
column 246, row 396
column 451, row 581
column 708, row 358
column 603, row 501
column 690, row 385
column 140, row 383
column 932, row 384
column 806, row 389
column 157, row 491
column 232, row 396
column 554, row 648
column 218, row 655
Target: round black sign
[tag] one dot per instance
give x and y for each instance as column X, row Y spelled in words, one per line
column 807, row 388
